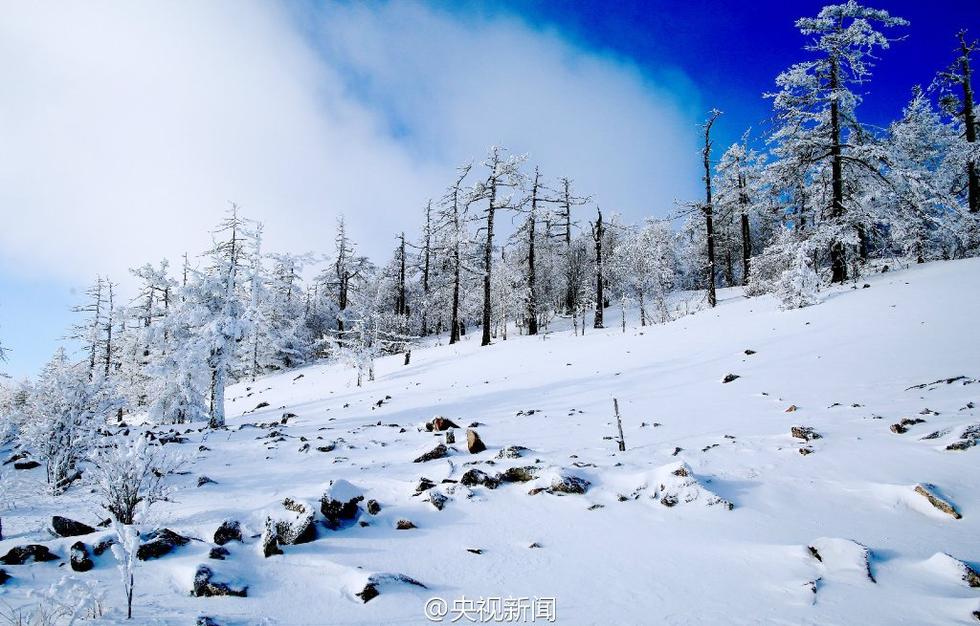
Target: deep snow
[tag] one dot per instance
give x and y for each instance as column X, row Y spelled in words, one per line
column 846, row 364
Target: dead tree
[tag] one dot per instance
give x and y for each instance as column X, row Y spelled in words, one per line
column 709, row 227
column 619, row 425
column 598, row 232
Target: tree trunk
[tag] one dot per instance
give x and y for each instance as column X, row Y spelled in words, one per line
column 970, row 121
column 532, row 299
column 488, row 265
column 838, row 264
column 597, row 233
column 708, row 223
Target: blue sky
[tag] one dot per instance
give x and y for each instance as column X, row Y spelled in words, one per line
column 303, row 112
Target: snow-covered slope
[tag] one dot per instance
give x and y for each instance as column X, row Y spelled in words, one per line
column 711, row 515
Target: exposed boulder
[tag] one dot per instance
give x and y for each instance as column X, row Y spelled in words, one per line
column 79, row 558
column 424, row 485
column 437, row 499
column 439, row 424
column 372, row 589
column 903, row 426
column 512, row 452
column 205, row 586
column 473, row 442
column 218, row 553
column 26, row 465
column 160, row 543
column 475, row 477
column 568, row 485
column 404, row 524
column 339, row 502
column 229, row 530
column 64, row 527
column 730, row 377
column 439, row 452
column 929, row 493
column 373, row 507
column 100, row 548
column 518, row 474
column 19, row 555
column 204, row 480
column 804, row 432
column 293, row 524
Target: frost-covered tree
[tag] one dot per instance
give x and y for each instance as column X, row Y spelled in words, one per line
column 131, row 475
column 500, row 191
column 818, row 135
column 643, row 267
column 923, row 215
column 958, row 100
column 452, row 243
column 63, row 412
column 738, row 179
column 126, row 550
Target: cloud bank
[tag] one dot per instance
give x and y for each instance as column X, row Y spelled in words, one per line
column 127, row 127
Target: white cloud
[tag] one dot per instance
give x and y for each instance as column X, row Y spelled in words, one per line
column 128, row 126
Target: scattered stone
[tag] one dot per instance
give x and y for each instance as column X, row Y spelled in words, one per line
column 476, row 477
column 103, row 546
column 404, row 524
column 565, row 485
column 371, row 589
column 927, row 491
column 229, row 530
column 791, row 408
column 902, row 427
column 260, row 405
column 437, row 499
column 204, row 480
column 730, row 377
column 64, row 527
column 159, row 543
column 815, row 553
column 424, row 485
column 677, row 450
column 204, row 620
column 534, row 545
column 804, row 432
column 440, row 423
column 79, row 558
column 286, row 417
column 373, row 507
column 512, row 452
column 26, row 465
column 327, row 448
column 218, row 553
column 518, row 474
column 805, row 450
column 750, row 352
column 339, row 502
column 962, row 444
column 439, row 452
column 293, row 525
column 206, row 587
column 450, row 436
column 19, row 555
column 596, row 506
column 473, row 442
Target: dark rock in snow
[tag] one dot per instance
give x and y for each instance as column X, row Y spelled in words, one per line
column 750, row 352
column 260, row 405
column 439, row 424
column 100, row 548
column 218, row 553
column 518, row 474
column 79, row 558
column 4, row 576
column 439, row 452
column 475, row 477
column 339, row 502
column 26, row 465
column 569, row 485
column 730, row 377
column 230, row 530
column 64, row 527
column 204, row 620
column 160, row 543
column 204, row 480
column 929, row 493
column 19, row 555
column 450, row 436
column 404, row 524
column 371, row 589
column 206, row 587
column 804, row 432
column 903, row 426
column 373, row 507
column 473, row 442
column 294, row 525
column 512, row 452
column 437, row 499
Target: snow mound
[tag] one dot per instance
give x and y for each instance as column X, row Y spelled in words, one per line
column 675, row 484
column 843, row 559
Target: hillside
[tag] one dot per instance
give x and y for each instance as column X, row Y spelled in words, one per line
column 711, row 515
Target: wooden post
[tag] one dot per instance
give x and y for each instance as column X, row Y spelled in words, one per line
column 619, row 424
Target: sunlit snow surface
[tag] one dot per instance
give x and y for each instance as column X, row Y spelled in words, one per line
column 847, row 365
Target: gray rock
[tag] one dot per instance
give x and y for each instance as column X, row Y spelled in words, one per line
column 473, row 442
column 205, row 586
column 230, row 530
column 79, row 558
column 439, row 452
column 64, row 527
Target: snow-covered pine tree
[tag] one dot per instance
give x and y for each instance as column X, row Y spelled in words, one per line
column 737, row 191
column 923, row 216
column 959, row 102
column 818, row 134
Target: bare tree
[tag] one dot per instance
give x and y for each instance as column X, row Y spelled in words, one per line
column 707, row 208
